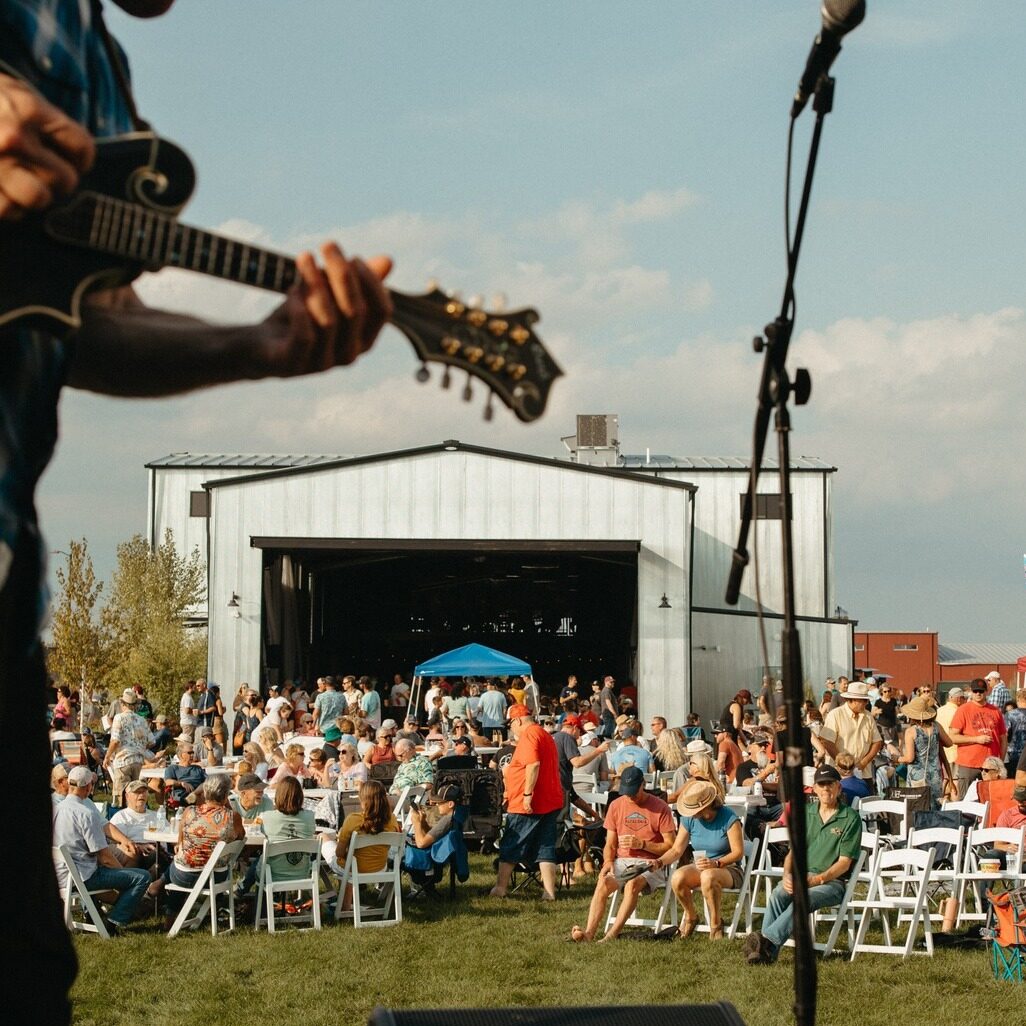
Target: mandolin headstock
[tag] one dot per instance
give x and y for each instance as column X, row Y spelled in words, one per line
column 499, row 348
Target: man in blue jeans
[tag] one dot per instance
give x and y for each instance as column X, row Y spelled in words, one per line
column 88, row 838
column 833, row 838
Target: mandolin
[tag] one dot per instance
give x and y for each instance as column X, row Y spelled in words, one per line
column 122, row 220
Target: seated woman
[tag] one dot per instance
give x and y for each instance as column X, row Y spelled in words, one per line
column 323, row 769
column 382, row 749
column 268, row 742
column 375, row 817
column 293, row 766
column 700, row 766
column 253, row 754
column 210, row 820
column 714, row 833
column 288, row 821
column 351, row 770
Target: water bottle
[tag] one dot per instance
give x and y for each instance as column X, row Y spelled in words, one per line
column 176, row 826
column 757, row 789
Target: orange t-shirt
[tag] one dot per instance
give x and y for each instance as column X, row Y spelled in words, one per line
column 649, row 822
column 534, row 745
column 972, row 719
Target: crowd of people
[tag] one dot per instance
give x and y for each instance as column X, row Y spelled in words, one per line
column 664, row 789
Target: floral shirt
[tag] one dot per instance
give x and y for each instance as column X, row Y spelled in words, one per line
column 133, row 737
column 410, row 774
column 203, row 826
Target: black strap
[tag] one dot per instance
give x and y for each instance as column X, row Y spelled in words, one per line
column 114, row 56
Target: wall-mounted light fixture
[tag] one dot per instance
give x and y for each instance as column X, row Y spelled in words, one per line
column 664, row 603
column 233, row 606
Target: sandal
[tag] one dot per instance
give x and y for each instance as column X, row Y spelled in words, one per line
column 716, row 931
column 687, row 928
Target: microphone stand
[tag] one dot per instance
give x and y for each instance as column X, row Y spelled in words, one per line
column 774, row 389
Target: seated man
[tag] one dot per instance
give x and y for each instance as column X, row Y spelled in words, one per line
column 414, row 769
column 433, row 845
column 833, row 841
column 58, row 784
column 183, row 777
column 410, row 731
column 210, row 752
column 631, row 753
column 89, row 837
column 135, row 819
column 639, row 828
column 250, row 802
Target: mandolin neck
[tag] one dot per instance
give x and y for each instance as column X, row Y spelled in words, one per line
column 142, row 235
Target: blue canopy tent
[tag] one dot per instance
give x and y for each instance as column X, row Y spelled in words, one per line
column 469, row 661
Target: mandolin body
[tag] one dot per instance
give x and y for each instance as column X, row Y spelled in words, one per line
column 43, row 276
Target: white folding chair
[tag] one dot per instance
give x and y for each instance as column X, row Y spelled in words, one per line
column 946, row 873
column 874, row 813
column 900, row 884
column 206, row 890
column 973, row 879
column 387, row 880
column 74, row 892
column 269, row 887
column 667, row 915
column 978, row 810
column 765, row 875
column 747, row 865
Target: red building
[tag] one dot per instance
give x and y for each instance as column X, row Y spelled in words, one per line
column 912, row 658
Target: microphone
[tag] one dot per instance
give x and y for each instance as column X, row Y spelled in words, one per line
column 839, row 18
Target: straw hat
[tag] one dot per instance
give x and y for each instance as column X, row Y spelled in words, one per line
column 919, row 709
column 698, row 796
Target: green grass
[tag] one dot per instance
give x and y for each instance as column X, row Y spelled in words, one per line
column 484, row 952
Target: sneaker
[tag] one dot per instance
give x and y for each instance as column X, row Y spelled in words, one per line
column 755, row 948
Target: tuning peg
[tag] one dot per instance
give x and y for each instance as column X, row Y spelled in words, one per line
column 488, row 411
column 476, row 301
column 423, row 374
column 499, row 302
column 446, row 378
column 468, row 392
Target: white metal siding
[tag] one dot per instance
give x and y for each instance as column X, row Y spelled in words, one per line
column 457, row 495
column 726, row 656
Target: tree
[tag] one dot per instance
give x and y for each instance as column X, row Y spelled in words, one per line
column 152, row 591
column 82, row 647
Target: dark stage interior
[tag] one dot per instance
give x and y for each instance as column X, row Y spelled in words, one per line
column 563, row 607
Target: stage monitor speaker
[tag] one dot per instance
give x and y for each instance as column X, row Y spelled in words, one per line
column 720, row 1014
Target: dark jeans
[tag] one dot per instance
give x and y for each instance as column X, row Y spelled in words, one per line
column 130, row 884
column 36, row 943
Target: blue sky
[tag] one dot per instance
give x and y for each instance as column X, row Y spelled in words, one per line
column 620, row 166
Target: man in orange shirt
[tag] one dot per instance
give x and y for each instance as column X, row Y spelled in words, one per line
column 978, row 729
column 534, row 799
column 728, row 755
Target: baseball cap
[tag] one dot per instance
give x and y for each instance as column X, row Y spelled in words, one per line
column 993, row 675
column 573, row 720
column 332, row 734
column 129, row 697
column 160, row 719
column 447, row 793
column 136, row 785
column 80, row 776
column 978, row 689
column 955, row 693
column 827, row 775
column 632, row 780
column 588, row 737
column 249, row 782
column 518, row 710
column 389, row 725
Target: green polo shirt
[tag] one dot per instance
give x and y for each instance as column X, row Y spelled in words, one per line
column 840, row 835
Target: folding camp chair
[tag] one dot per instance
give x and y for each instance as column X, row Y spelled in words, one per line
column 1008, row 934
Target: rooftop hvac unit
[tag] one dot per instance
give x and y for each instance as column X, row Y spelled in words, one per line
column 597, row 430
